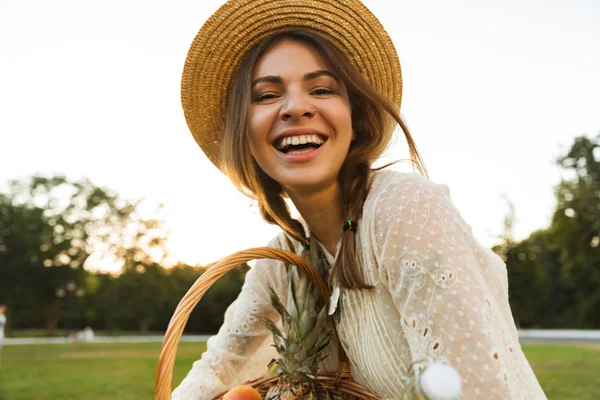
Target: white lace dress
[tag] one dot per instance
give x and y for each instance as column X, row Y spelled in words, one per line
column 438, row 292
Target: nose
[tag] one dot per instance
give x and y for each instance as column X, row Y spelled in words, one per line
column 295, row 108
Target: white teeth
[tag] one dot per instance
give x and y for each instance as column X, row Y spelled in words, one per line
column 296, row 140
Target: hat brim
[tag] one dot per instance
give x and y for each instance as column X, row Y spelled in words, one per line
column 235, row 28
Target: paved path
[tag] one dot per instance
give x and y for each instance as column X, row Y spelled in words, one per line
column 525, row 335
column 559, row 335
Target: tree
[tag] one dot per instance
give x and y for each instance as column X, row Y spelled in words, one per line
column 53, row 227
column 137, row 295
column 554, row 274
column 576, row 227
column 209, row 314
column 537, row 294
column 25, row 243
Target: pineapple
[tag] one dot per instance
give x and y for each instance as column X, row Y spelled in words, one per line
column 301, row 348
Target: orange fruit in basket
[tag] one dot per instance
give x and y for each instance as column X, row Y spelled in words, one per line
column 242, row 392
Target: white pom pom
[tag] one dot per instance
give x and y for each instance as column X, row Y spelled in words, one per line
column 441, row 382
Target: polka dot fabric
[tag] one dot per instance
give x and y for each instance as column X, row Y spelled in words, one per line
column 438, row 293
column 449, row 292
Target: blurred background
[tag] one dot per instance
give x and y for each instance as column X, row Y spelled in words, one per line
column 109, row 211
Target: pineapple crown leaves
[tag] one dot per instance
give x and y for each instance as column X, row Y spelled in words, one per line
column 309, row 341
column 294, row 371
column 292, row 302
column 306, row 317
column 306, row 370
column 304, row 337
column 312, row 355
column 313, row 361
column 303, row 301
column 276, row 302
column 277, row 336
column 297, row 284
column 307, row 338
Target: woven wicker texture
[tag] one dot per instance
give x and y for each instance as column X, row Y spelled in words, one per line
column 238, row 25
column 342, row 382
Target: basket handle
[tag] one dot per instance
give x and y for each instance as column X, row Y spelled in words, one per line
column 164, row 371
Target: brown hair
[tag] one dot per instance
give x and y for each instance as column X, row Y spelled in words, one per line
column 374, row 119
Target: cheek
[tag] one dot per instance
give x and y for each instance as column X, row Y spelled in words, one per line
column 254, row 131
column 342, row 118
column 258, row 125
column 342, row 111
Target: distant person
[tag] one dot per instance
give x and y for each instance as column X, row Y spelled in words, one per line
column 85, row 335
column 89, row 334
column 2, row 324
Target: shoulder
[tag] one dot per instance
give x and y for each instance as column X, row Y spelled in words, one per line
column 409, row 207
column 393, row 190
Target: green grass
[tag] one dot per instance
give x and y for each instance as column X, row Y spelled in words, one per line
column 566, row 371
column 126, row 371
column 37, row 333
column 87, row 371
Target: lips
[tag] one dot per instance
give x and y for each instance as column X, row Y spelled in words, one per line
column 298, row 141
column 298, row 132
column 299, row 156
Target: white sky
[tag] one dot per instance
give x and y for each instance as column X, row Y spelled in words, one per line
column 492, row 90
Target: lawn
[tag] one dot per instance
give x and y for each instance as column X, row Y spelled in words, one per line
column 126, row 371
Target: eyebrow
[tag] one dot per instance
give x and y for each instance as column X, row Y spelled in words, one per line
column 276, row 79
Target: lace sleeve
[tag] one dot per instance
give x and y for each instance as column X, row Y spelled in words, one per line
column 240, row 351
column 450, row 291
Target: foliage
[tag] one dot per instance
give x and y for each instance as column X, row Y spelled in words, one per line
column 54, row 232
column 533, row 268
column 576, row 227
column 145, row 299
column 554, row 274
column 52, row 227
column 208, row 316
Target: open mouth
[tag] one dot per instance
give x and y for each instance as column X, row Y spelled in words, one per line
column 299, row 144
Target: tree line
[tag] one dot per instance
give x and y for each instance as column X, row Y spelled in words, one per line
column 53, row 229
column 554, row 274
column 54, row 232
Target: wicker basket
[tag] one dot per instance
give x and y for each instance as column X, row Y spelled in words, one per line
column 340, row 384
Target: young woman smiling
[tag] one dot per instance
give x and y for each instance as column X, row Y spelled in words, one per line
column 306, row 101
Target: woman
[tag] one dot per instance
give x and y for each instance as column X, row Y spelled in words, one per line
column 297, row 99
column 2, row 323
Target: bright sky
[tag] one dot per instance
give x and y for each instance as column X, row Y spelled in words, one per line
column 492, row 92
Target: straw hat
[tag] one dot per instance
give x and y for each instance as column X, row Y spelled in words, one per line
column 231, row 32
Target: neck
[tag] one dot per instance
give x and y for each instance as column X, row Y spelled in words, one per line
column 323, row 212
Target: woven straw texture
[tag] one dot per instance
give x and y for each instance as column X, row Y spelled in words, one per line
column 341, row 384
column 231, row 32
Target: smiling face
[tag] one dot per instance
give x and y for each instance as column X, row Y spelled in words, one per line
column 300, row 126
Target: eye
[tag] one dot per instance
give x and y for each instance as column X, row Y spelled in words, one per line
column 323, row 91
column 269, row 96
column 266, row 96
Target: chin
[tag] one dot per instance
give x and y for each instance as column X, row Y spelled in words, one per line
column 306, row 182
